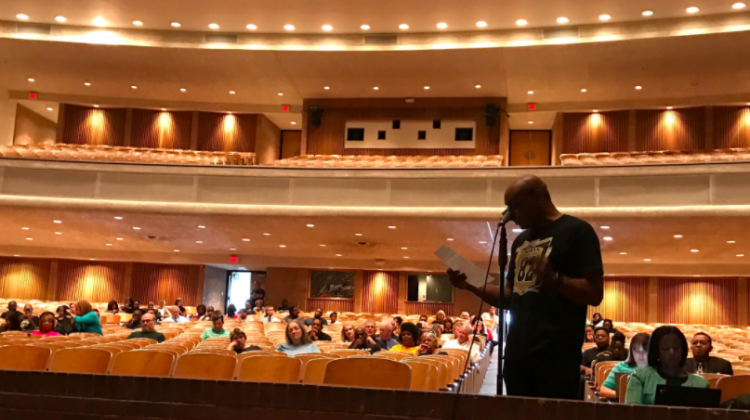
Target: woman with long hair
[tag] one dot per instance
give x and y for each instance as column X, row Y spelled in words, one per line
column 637, row 358
column 231, row 312
column 297, row 340
column 46, row 325
column 112, row 307
column 448, row 326
column 85, row 319
column 439, row 317
column 347, row 334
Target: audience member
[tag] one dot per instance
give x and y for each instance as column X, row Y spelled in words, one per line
column 98, row 315
column 148, row 325
column 464, row 316
column 29, row 321
column 347, row 334
column 112, row 307
column 64, row 323
column 200, row 312
column 424, row 326
column 448, row 326
column 208, row 315
column 638, row 358
column 270, row 316
column 174, row 316
column 85, row 319
column 667, row 352
column 464, row 340
column 46, row 326
column 258, row 309
column 601, row 338
column 249, row 305
column 297, row 340
column 423, row 318
column 398, row 320
column 243, row 318
column 702, row 362
column 135, row 321
column 437, row 329
column 492, row 316
column 316, row 331
column 318, row 315
column 284, row 305
column 439, row 317
column 361, row 341
column 371, row 329
column 231, row 312
column 12, row 307
column 596, row 320
column 154, row 311
column 12, row 322
column 217, row 330
column 589, row 337
column 127, row 307
column 616, row 350
column 178, row 303
column 163, row 310
column 429, row 345
column 609, row 326
column 479, row 328
column 385, row 340
column 293, row 315
column 238, row 342
column 334, row 317
column 136, row 305
column 409, row 339
column 257, row 293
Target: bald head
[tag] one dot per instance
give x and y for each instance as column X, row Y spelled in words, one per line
column 529, row 202
column 175, row 311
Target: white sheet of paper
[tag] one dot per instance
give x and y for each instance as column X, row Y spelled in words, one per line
column 474, row 274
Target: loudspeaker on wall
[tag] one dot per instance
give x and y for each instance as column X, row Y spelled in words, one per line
column 490, row 114
column 316, row 114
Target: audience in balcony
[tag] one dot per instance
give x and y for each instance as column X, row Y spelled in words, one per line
column 589, row 337
column 361, row 341
column 601, row 339
column 29, row 321
column 464, row 340
column 318, row 315
column 297, row 340
column 231, row 312
column 316, row 331
column 385, row 340
column 112, row 307
column 270, row 316
column 85, row 319
column 293, row 314
column 217, row 330
column 637, row 358
column 667, row 353
column 64, row 324
column 334, row 316
column 148, row 325
column 347, row 334
column 135, row 321
column 238, row 342
column 409, row 339
column 702, row 362
column 46, row 326
column 175, row 316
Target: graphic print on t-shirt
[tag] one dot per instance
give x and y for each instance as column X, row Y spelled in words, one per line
column 525, row 280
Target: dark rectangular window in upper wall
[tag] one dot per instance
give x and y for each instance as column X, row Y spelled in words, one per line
column 381, row 134
column 464, row 134
column 355, row 134
column 421, row 135
column 396, row 124
column 436, row 124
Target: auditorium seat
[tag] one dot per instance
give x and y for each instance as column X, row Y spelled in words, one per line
column 80, row 360
column 656, row 157
column 733, row 386
column 20, row 357
column 205, row 366
column 269, row 369
column 315, row 370
column 444, row 372
column 424, row 376
column 368, row 161
column 367, row 373
column 143, row 363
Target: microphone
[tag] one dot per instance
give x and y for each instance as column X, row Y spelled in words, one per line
column 507, row 217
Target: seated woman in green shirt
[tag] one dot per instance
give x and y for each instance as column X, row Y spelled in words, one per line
column 637, row 358
column 218, row 329
column 85, row 319
column 667, row 352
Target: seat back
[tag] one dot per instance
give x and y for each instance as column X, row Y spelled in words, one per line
column 733, row 386
column 80, row 360
column 444, row 374
column 424, row 376
column 713, row 378
column 624, row 379
column 143, row 363
column 205, row 366
column 22, row 357
column 601, row 369
column 315, row 370
column 275, row 369
column 368, row 372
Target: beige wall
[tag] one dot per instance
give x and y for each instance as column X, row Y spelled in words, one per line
column 267, row 140
column 32, row 128
column 286, row 283
column 7, row 118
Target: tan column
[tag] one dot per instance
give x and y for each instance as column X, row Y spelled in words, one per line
column 557, row 138
column 52, row 283
column 652, row 308
column 742, row 301
column 358, row 279
column 127, row 287
column 403, row 289
column 60, row 123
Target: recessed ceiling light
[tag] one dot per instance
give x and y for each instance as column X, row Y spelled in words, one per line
column 678, row 236
column 450, row 239
column 281, row 94
column 327, row 28
column 50, row 109
column 25, row 228
column 164, row 109
column 404, row 248
column 605, row 17
column 266, row 234
column 478, row 86
column 58, row 233
column 294, row 123
column 57, row 222
column 647, row 13
column 201, row 227
column 596, row 111
column 29, row 239
column 647, row 259
column 87, row 84
column 22, row 16
column 31, row 80
column 61, row 19
column 695, row 251
column 584, row 90
column 175, row 24
column 406, row 258
column 118, row 217
column 137, row 23
column 605, row 227
column 638, row 87
column 183, row 90
column 252, row 27
column 282, row 246
column 481, row 24
column 692, row 10
column 738, row 6
column 669, row 107
column 365, row 27
column 482, row 242
column 531, row 122
column 289, row 27
column 426, row 88
column 442, row 25
column 310, row 225
column 213, row 25
column 391, row 227
column 740, row 255
column 136, row 228
column 607, row 238
column 623, row 253
column 562, row 20
column 327, row 87
column 357, row 234
column 231, row 92
column 99, row 21
column 92, row 259
column 134, row 87
column 16, row 255
column 198, row 242
column 245, row 240
column 108, row 244
column 323, row 245
column 403, row 26
column 531, row 92
column 522, row 22
column 517, row 230
column 119, row 239
column 731, row 242
column 176, row 250
column 232, row 249
column 375, row 88
column 338, row 255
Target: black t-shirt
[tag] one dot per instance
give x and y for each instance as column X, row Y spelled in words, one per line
column 589, row 356
column 5, row 315
column 253, row 298
column 545, row 321
column 323, row 337
column 713, row 365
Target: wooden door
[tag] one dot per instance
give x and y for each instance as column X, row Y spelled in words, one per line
column 530, row 147
column 291, row 142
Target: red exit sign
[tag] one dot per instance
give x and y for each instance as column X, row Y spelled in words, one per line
column 233, row 259
column 531, row 107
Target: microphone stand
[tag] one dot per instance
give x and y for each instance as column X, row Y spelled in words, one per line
column 502, row 261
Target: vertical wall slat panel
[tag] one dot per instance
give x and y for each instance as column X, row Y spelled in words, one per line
column 154, row 282
column 625, row 299
column 380, row 292
column 227, row 132
column 338, row 305
column 161, row 129
column 731, row 127
column 92, row 281
column 697, row 301
column 429, row 308
column 679, row 129
column 596, row 133
column 24, row 278
column 97, row 126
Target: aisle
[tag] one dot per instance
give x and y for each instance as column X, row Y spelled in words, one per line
column 489, row 386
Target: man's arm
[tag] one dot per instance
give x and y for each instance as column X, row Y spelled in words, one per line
column 490, row 294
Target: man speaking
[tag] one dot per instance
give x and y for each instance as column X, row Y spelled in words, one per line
column 555, row 271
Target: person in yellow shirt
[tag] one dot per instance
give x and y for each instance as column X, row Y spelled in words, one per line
column 409, row 339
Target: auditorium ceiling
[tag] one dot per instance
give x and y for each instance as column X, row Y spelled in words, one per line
column 721, row 247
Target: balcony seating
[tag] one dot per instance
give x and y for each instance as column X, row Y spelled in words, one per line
column 353, row 161
column 655, row 158
column 85, row 152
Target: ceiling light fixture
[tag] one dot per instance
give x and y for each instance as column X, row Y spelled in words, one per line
column 678, row 236
column 638, row 87
column 517, row 230
column 482, row 242
column 738, row 6
column 87, row 84
column 183, row 90
column 442, row 25
column 92, row 259
column 404, row 248
column 531, row 92
column 477, row 86
column 198, row 242
column 323, row 245
column 282, row 246
column 310, row 225
column 29, row 239
column 289, row 27
column 231, row 92
column 164, row 109
column 119, row 239
column 266, row 234
column 740, row 255
column 327, row 28
column 252, row 27
column 136, row 228
column 232, row 249
column 61, row 19
column 376, row 88
column 531, row 122
column 327, row 87
column 201, row 227
column 213, row 26
column 176, row 250
column 175, row 24
column 245, row 240
column 596, row 111
column 403, row 26
column 25, row 228
column 365, row 27
column 58, row 233
column 391, row 227
column 695, row 251
column 280, row 94
column 338, row 255
column 96, row 106
column 481, row 24
column 31, row 80
column 426, row 88
column 108, row 244
column 294, row 123
column 137, row 23
column 584, row 90
column 669, row 107
column 647, row 259
column 99, row 21
column 605, row 227
column 623, row 253
column 118, row 217
column 522, row 22
column 731, row 242
column 605, row 17
column 57, row 222
column 50, row 109
column 692, row 10
column 22, row 16
column 450, row 239
column 406, row 258
column 562, row 20
column 607, row 238
column 357, row 234
column 647, row 13
column 16, row 255
column 134, row 87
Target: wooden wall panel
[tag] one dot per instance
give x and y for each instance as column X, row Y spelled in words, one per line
column 154, row 282
column 731, row 127
column 23, row 278
column 380, row 292
column 429, row 308
column 99, row 126
column 93, row 281
column 625, row 299
column 329, row 137
column 338, row 305
column 595, row 132
column 161, row 129
column 678, row 129
column 227, row 132
column 697, row 301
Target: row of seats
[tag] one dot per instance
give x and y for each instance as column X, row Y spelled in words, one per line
column 85, row 152
column 658, row 158
column 354, row 161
